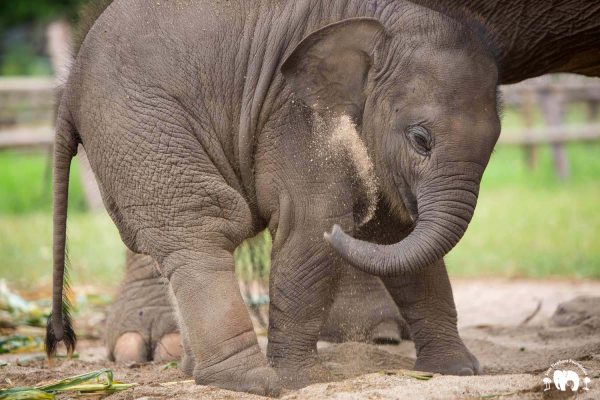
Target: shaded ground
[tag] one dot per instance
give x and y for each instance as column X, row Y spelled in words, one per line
column 509, row 325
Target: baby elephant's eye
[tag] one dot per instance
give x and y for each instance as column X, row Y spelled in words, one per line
column 420, row 138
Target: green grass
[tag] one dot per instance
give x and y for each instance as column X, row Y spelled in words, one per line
column 527, row 224
column 25, row 184
column 95, row 249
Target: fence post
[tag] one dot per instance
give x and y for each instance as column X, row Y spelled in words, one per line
column 528, row 109
column 552, row 106
column 593, row 109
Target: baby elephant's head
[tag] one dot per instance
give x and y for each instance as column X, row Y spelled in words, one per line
column 421, row 91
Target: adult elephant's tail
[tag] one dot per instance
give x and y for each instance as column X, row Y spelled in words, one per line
column 59, row 326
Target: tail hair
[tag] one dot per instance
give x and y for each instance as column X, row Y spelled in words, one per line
column 68, row 335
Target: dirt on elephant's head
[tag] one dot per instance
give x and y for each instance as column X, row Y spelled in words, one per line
column 340, row 140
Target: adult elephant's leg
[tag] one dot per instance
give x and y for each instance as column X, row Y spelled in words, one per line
column 426, row 302
column 141, row 324
column 363, row 311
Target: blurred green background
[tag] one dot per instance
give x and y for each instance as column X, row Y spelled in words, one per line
column 528, row 223
column 22, row 33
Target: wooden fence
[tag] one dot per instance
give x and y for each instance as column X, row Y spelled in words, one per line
column 552, row 95
column 27, row 107
column 26, row 118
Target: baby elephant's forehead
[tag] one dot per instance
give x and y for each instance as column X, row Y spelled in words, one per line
column 453, row 67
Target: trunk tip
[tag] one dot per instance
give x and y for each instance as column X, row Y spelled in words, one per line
column 330, row 237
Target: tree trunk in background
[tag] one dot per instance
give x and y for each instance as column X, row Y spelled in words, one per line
column 60, row 48
column 528, row 112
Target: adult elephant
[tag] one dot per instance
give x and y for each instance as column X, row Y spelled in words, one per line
column 536, row 37
column 206, row 122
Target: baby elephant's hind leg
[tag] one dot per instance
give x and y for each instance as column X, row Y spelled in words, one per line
column 141, row 325
column 219, row 336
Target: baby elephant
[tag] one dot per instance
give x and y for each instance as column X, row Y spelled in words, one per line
column 205, row 122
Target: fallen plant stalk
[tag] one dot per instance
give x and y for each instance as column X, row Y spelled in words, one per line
column 79, row 384
column 422, row 376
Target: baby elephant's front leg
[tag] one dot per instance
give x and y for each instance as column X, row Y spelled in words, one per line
column 426, row 302
column 304, row 276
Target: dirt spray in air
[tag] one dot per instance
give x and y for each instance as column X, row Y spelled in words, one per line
column 342, row 141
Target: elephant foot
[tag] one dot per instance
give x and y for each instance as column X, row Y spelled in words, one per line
column 453, row 360
column 246, row 371
column 141, row 325
column 133, row 347
column 296, row 377
column 378, row 332
column 363, row 311
column 386, row 332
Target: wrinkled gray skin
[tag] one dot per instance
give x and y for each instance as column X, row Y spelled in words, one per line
column 199, row 141
column 529, row 39
column 534, row 37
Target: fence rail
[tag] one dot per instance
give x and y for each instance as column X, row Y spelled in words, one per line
column 26, row 137
column 553, row 135
column 27, row 106
column 553, row 94
column 26, row 101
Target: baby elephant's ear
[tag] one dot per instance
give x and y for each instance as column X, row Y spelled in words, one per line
column 328, row 69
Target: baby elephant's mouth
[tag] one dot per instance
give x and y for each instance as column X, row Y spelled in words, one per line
column 410, row 203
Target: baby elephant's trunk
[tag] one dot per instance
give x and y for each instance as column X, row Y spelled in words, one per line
column 444, row 214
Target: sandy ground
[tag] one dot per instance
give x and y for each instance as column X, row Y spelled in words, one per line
column 511, row 326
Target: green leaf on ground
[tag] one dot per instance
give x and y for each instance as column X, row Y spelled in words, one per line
column 169, row 365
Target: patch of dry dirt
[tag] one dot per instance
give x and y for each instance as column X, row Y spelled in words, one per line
column 492, row 314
